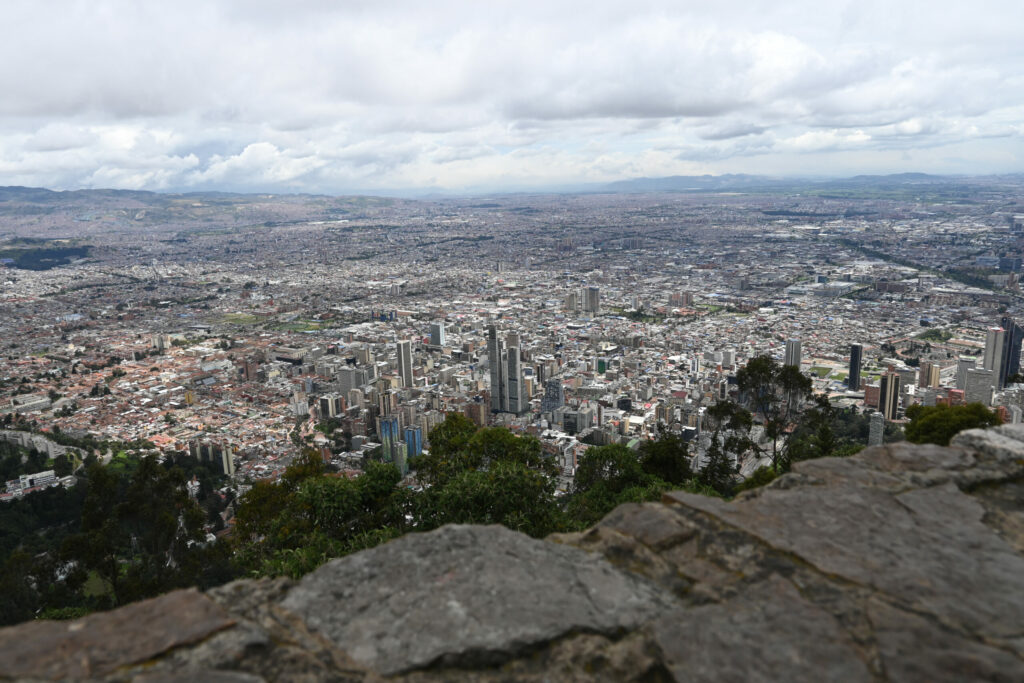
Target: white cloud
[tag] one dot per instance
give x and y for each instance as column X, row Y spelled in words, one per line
column 324, row 96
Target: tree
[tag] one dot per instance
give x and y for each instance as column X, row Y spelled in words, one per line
column 814, row 436
column 447, row 441
column 137, row 531
column 507, row 493
column 718, row 472
column 775, row 394
column 760, row 477
column 607, row 476
column 667, row 458
column 63, row 465
column 939, row 424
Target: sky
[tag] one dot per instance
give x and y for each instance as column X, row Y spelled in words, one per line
column 331, row 96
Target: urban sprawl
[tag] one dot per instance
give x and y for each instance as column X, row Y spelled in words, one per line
column 243, row 329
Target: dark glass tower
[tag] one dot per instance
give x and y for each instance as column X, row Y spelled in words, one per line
column 856, row 353
column 1010, row 357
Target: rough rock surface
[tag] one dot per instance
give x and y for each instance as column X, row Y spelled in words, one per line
column 902, row 563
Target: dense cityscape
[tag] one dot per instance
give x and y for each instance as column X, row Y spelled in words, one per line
column 233, row 327
column 511, row 341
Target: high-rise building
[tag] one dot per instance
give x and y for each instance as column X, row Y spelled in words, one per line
column 962, row 366
column 856, row 356
column 793, row 353
column 405, row 362
column 572, row 302
column 437, row 334
column 995, row 349
column 517, row 400
column 978, row 386
column 554, row 396
column 876, row 430
column 508, row 384
column 413, row 441
column 889, row 395
column 1011, row 350
column 592, row 300
column 389, row 437
column 498, row 369
column 928, row 375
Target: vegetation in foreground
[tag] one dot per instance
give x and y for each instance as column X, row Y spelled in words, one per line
column 130, row 530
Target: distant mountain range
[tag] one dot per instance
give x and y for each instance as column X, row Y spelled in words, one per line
column 730, row 182
column 742, row 182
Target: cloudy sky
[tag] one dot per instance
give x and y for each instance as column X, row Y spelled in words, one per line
column 344, row 95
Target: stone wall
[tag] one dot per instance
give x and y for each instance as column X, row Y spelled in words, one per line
column 902, row 563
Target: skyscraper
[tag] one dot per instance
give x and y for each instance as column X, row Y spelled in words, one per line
column 793, row 353
column 437, row 334
column 928, row 375
column 405, row 362
column 995, row 348
column 495, row 351
column 508, row 386
column 876, row 430
column 889, row 395
column 413, row 441
column 978, row 386
column 962, row 366
column 388, row 437
column 1012, row 338
column 515, row 386
column 856, row 354
column 592, row 299
column 554, row 396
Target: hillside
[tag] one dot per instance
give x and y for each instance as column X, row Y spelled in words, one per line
column 900, row 563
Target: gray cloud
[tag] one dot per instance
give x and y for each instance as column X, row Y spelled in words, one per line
column 316, row 95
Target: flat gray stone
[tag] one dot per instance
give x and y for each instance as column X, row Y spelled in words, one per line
column 916, row 649
column 770, row 633
column 464, row 595
column 650, row 523
column 1001, row 448
column 104, row 642
column 926, row 548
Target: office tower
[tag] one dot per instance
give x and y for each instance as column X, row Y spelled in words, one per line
column 856, row 354
column 793, row 353
column 554, row 396
column 388, row 437
column 877, row 429
column 330, row 405
column 437, row 334
column 299, row 405
column 515, row 384
column 495, row 351
column 508, row 384
column 978, row 386
column 572, row 302
column 413, row 441
column 728, row 358
column 962, row 366
column 929, row 396
column 1011, row 350
column 592, row 300
column 889, row 395
column 928, row 375
column 405, row 362
column 995, row 347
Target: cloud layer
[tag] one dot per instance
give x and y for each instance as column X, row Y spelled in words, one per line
column 321, row 96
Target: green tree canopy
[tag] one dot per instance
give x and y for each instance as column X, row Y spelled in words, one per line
column 667, row 457
column 775, row 394
column 939, row 424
